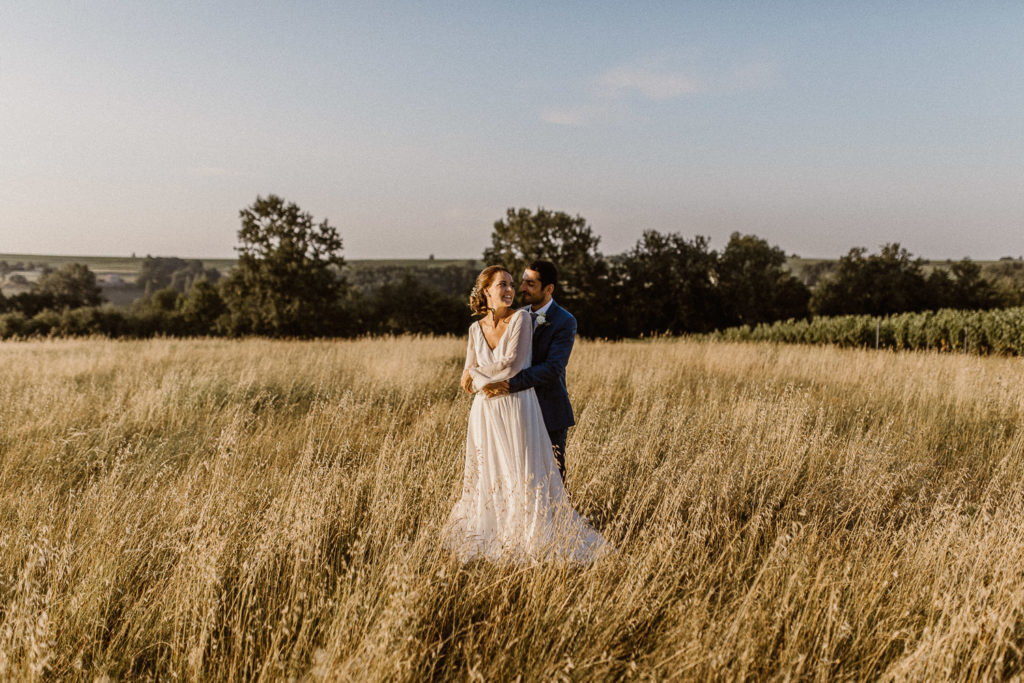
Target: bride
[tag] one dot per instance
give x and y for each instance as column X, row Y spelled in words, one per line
column 513, row 500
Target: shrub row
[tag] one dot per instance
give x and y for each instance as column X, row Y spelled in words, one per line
column 997, row 331
column 95, row 320
column 391, row 310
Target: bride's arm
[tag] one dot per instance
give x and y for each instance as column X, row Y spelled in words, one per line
column 470, row 352
column 514, row 358
column 467, row 379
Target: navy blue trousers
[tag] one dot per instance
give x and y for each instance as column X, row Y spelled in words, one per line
column 558, row 438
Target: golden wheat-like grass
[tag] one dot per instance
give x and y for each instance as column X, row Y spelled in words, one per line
column 230, row 510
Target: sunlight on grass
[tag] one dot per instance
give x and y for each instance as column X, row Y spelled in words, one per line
column 227, row 510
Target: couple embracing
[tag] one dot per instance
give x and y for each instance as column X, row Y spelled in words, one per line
column 514, row 503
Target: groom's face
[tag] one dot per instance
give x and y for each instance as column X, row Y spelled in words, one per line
column 531, row 289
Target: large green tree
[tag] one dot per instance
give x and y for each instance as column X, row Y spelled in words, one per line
column 1007, row 279
column 667, row 285
column 891, row 281
column 287, row 281
column 755, row 285
column 961, row 286
column 567, row 241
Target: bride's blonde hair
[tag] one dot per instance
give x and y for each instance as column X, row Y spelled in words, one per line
column 477, row 298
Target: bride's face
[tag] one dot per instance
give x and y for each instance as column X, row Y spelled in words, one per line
column 501, row 292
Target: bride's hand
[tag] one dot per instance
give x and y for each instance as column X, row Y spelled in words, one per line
column 496, row 389
column 467, row 382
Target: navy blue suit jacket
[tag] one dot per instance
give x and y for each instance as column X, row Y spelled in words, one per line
column 552, row 344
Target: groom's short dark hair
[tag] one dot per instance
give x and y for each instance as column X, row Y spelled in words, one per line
column 547, row 271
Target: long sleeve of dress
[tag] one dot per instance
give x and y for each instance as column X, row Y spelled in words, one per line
column 515, row 353
column 470, row 352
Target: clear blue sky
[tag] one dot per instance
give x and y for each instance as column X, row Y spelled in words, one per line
column 145, row 126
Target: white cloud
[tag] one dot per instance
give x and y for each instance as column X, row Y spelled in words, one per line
column 657, row 80
column 654, row 85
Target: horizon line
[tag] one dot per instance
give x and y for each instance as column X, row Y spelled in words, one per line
column 25, row 255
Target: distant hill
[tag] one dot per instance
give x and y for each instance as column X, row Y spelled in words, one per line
column 128, row 267
column 117, row 274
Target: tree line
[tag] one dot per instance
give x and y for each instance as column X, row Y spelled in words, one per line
column 291, row 280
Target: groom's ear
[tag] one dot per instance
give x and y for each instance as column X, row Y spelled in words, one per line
column 549, row 290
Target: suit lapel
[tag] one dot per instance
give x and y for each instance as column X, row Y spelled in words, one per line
column 541, row 333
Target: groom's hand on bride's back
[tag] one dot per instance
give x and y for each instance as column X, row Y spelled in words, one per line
column 496, row 389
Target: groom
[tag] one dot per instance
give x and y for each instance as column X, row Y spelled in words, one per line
column 553, row 334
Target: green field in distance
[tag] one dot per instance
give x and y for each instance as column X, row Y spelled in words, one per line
column 127, row 266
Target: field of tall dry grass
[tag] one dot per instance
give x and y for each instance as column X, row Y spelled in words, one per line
column 229, row 510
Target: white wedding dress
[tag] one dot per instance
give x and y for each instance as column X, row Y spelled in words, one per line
column 513, row 502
